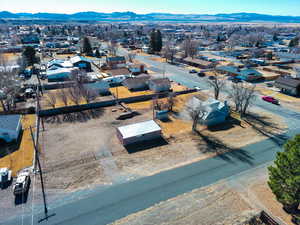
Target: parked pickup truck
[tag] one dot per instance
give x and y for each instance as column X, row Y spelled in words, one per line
column 22, row 183
column 5, row 177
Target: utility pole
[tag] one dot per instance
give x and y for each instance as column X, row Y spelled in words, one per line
column 40, row 172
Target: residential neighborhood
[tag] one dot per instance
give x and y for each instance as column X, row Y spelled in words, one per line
column 126, row 118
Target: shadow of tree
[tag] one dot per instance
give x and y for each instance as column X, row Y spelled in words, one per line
column 227, row 125
column 74, row 117
column 213, row 145
column 8, row 148
column 266, row 127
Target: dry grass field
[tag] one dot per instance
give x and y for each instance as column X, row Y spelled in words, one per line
column 23, row 156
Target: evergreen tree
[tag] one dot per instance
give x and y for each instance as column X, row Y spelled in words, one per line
column 29, row 56
column 158, row 41
column 87, row 47
column 275, row 37
column 155, row 41
column 152, row 41
column 38, row 30
column 284, row 179
column 294, row 42
column 97, row 54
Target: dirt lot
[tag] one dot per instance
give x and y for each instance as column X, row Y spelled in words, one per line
column 217, row 204
column 265, row 195
column 231, row 201
column 85, row 153
column 23, row 152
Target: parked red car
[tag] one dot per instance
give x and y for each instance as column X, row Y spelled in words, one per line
column 270, row 99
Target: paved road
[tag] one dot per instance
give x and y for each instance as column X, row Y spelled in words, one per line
column 106, row 206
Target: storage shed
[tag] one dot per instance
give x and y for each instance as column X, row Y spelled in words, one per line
column 138, row 132
column 10, row 127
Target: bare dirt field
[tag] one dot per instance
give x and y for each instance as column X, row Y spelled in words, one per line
column 217, row 204
column 232, row 201
column 85, row 150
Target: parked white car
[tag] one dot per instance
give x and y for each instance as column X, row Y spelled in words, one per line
column 22, row 183
column 116, row 79
column 5, row 177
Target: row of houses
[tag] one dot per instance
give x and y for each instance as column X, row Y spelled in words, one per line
column 143, row 82
column 61, row 70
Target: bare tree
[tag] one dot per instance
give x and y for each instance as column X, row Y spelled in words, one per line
column 112, row 48
column 217, row 84
column 171, row 101
column 63, row 96
column 88, row 94
column 190, row 47
column 75, row 94
column 9, row 84
column 131, row 56
column 196, row 113
column 51, row 100
column 169, row 51
column 242, row 96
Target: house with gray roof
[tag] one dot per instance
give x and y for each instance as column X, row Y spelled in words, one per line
column 243, row 74
column 159, row 84
column 81, row 63
column 216, row 112
column 10, row 127
column 288, row 85
column 137, row 83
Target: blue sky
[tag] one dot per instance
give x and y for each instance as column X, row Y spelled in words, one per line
column 274, row 7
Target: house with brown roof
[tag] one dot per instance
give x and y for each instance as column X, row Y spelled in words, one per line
column 202, row 64
column 288, row 85
column 116, row 62
column 118, row 72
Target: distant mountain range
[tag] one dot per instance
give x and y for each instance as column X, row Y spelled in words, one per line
column 154, row 17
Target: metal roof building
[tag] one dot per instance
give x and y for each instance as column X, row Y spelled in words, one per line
column 138, row 132
column 10, row 127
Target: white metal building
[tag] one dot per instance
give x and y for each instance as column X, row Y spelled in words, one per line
column 138, row 132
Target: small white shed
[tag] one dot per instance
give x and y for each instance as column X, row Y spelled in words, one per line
column 138, row 132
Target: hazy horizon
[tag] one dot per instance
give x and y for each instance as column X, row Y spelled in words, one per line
column 274, row 7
